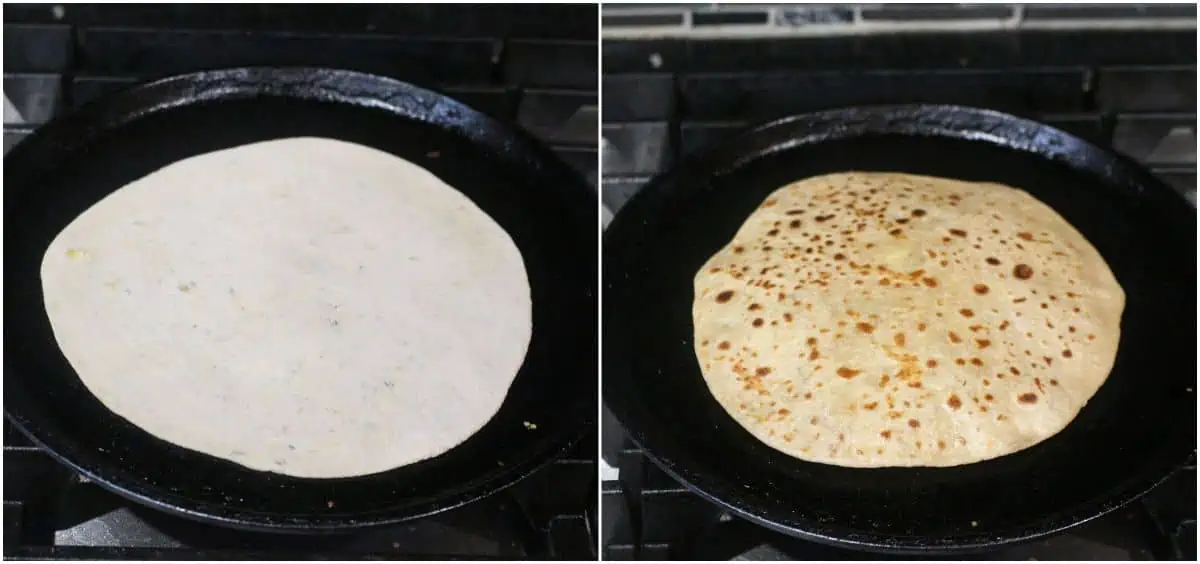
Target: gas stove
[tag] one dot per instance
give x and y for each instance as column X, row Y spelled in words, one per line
column 678, row 79
column 534, row 66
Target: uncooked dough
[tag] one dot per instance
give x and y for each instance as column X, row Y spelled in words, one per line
column 303, row 306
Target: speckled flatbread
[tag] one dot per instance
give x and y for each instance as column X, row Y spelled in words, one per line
column 880, row 319
column 302, row 306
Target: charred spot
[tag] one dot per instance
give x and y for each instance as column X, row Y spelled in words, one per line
column 794, row 224
column 1004, row 325
column 965, row 312
column 1023, row 271
column 758, row 322
column 823, row 218
column 976, row 361
column 724, row 296
column 755, row 307
column 981, row 289
column 739, row 249
column 954, row 402
column 839, row 256
column 954, row 338
column 1028, row 397
column 958, row 233
column 1067, row 354
column 773, row 232
column 993, row 261
column 902, row 220
column 918, row 213
column 723, row 345
column 848, row 373
column 787, row 317
column 1053, row 382
column 896, row 232
column 794, row 212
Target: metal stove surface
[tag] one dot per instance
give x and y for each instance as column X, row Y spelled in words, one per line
column 663, row 98
column 532, row 66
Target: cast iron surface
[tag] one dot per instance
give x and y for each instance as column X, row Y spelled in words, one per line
column 70, row 164
column 1133, row 434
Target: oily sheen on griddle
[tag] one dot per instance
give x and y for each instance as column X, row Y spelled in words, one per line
column 885, row 319
column 302, row 306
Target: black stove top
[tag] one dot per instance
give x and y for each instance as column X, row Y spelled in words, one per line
column 532, row 65
column 1132, row 90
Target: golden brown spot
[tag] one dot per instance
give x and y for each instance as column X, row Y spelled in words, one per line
column 1023, row 271
column 976, row 361
column 839, row 256
column 921, row 326
column 983, row 343
column 1049, row 361
column 739, row 249
column 930, row 281
column 954, row 338
column 894, row 414
column 770, row 203
column 981, row 289
column 758, row 322
column 883, row 380
column 723, row 345
column 954, row 402
column 941, row 445
column 848, row 373
column 865, row 327
column 1025, row 235
column 871, row 406
column 914, row 423
column 966, row 312
column 1067, row 354
column 931, row 363
column 885, row 434
column 787, row 317
column 814, row 354
column 960, row 361
column 898, row 338
column 807, row 395
column 724, row 296
column 811, row 341
column 1004, row 325
column 762, row 370
column 784, row 411
column 1053, row 382
column 1027, row 398
column 958, row 232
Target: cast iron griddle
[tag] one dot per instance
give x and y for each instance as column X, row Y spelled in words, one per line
column 1136, row 431
column 549, row 211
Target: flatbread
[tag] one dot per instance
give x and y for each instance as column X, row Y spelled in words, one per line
column 303, row 306
column 881, row 319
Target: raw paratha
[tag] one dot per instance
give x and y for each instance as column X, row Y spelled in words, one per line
column 303, row 306
column 881, row 319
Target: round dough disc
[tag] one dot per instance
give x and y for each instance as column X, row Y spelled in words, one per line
column 303, row 306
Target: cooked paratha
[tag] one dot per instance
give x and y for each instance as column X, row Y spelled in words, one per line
column 882, row 319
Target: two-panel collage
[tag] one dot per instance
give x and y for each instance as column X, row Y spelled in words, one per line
column 616, row 281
